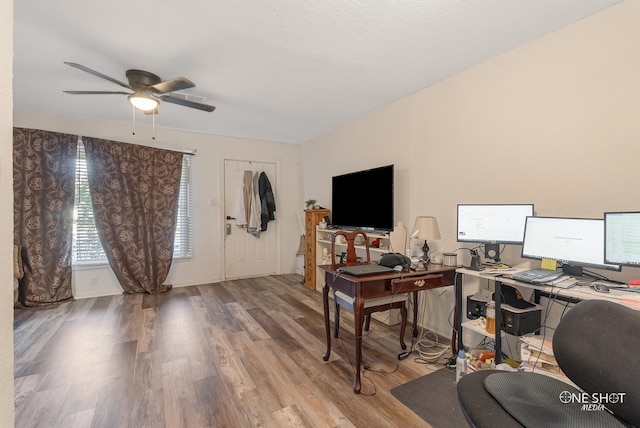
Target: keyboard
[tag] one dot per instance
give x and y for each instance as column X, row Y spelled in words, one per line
column 537, row 276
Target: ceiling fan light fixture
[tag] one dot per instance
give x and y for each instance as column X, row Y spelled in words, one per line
column 142, row 100
column 148, row 90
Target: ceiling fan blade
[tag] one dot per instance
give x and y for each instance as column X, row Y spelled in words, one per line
column 95, row 92
column 98, row 74
column 187, row 103
column 172, row 85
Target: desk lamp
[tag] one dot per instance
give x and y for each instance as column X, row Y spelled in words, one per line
column 426, row 228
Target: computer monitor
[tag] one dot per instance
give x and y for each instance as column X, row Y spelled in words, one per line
column 492, row 225
column 575, row 243
column 622, row 238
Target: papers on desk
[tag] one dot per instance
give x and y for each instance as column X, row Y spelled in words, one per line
column 537, row 356
column 501, row 271
column 535, row 342
column 564, row 282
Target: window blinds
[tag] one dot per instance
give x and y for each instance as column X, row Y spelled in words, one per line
column 87, row 248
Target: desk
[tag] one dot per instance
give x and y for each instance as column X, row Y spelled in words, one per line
column 365, row 287
column 571, row 295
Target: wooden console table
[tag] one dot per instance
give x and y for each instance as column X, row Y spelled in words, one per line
column 365, row 287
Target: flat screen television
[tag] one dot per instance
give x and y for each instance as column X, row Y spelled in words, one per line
column 492, row 225
column 575, row 243
column 622, row 238
column 363, row 199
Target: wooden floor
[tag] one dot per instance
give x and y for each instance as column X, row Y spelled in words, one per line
column 241, row 353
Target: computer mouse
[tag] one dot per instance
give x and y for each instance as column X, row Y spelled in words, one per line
column 600, row 288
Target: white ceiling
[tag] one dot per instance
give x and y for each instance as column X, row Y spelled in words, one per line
column 279, row 70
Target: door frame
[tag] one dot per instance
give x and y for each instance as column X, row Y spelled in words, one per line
column 221, row 211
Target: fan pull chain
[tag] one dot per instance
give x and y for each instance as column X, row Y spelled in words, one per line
column 133, row 111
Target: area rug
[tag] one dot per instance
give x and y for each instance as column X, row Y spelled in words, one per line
column 433, row 397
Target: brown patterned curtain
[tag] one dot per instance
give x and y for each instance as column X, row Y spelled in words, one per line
column 134, row 192
column 44, row 175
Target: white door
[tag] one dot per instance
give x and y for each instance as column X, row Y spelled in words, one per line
column 245, row 254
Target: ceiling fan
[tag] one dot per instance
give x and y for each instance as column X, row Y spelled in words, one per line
column 148, row 90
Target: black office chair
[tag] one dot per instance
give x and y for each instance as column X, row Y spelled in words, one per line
column 597, row 345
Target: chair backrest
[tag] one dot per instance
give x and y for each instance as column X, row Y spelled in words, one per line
column 350, row 237
column 597, row 345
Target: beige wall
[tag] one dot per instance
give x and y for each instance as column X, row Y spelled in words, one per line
column 569, row 101
column 207, row 262
column 6, row 215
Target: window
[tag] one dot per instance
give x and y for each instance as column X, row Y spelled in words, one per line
column 182, row 242
column 87, row 248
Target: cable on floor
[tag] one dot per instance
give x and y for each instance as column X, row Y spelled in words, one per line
column 429, row 350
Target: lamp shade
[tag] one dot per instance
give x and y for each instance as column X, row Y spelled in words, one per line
column 427, row 228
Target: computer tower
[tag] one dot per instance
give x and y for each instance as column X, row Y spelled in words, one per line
column 477, row 305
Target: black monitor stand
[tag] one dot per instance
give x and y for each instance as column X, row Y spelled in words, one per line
column 572, row 270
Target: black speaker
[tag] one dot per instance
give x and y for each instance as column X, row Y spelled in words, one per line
column 492, row 251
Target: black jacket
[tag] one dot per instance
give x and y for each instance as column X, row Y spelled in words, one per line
column 267, row 201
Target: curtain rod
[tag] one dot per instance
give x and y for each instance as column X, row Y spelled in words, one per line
column 186, row 152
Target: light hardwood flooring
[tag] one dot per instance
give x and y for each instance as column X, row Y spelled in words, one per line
column 242, row 353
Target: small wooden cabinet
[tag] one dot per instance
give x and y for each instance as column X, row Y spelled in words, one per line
column 311, row 220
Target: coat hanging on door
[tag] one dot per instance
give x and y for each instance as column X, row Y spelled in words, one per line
column 243, row 200
column 268, row 201
column 255, row 217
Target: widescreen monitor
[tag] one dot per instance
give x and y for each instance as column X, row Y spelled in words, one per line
column 575, row 243
column 622, row 238
column 492, row 224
